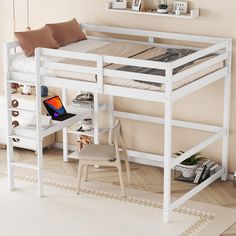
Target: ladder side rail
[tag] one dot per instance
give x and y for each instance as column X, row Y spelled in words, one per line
column 8, row 98
column 39, row 137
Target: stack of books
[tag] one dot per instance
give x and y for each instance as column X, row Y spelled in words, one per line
column 205, row 170
column 84, row 100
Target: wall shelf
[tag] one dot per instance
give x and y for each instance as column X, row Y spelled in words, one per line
column 194, row 13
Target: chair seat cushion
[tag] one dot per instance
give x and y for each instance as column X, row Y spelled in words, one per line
column 97, row 152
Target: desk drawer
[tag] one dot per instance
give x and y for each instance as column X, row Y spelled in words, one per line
column 27, row 143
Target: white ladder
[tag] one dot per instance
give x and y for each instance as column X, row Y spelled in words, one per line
column 11, row 163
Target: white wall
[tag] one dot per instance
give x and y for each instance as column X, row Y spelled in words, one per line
column 217, row 19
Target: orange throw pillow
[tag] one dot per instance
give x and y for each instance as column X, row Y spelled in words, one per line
column 67, row 32
column 29, row 40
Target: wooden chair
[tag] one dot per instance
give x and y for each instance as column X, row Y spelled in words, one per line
column 105, row 155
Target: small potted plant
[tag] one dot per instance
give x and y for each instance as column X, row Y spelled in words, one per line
column 189, row 166
column 163, row 7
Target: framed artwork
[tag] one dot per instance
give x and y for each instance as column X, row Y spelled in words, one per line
column 119, row 4
column 137, row 5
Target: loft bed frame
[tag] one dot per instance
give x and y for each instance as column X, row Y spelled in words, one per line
column 220, row 46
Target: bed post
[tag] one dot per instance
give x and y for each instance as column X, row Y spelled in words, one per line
column 65, row 135
column 39, row 138
column 167, row 145
column 110, row 114
column 96, row 118
column 227, row 89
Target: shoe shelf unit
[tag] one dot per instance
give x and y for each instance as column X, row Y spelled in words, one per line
column 21, row 117
column 193, row 14
column 74, row 128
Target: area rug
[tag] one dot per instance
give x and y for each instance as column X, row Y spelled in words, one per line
column 100, row 211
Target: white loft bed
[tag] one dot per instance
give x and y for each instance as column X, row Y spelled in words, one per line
column 221, row 47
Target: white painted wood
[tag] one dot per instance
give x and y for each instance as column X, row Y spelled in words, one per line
column 198, row 84
column 17, row 76
column 226, row 118
column 68, row 67
column 64, row 133
column 151, row 40
column 59, row 125
column 167, row 145
column 200, row 67
column 195, row 13
column 39, row 136
column 161, row 121
column 161, row 45
column 217, row 45
column 110, row 117
column 135, row 62
column 132, row 75
column 90, row 133
column 199, row 147
column 197, row 189
column 134, row 93
column 24, row 165
column 147, row 156
column 69, row 83
column 96, row 118
column 146, row 33
column 196, row 55
column 21, row 82
column 10, row 158
column 69, row 54
column 100, row 74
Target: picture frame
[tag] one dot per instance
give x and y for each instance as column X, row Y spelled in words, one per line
column 119, row 4
column 181, row 6
column 136, row 6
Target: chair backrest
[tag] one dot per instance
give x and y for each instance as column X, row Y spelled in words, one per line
column 117, row 138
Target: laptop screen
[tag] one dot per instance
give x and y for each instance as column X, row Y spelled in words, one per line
column 54, row 106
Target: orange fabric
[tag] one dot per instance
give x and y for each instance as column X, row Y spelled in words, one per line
column 29, row 40
column 66, row 32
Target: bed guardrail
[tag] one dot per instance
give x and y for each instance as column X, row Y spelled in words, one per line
column 150, row 34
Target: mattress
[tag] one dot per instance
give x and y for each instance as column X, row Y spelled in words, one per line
column 21, row 63
column 25, row 64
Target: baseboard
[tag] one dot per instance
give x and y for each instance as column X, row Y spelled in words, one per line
column 73, row 148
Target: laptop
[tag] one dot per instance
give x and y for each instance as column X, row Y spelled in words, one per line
column 56, row 109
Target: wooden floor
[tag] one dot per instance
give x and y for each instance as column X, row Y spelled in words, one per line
column 143, row 177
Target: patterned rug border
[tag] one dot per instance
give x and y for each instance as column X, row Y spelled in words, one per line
column 204, row 218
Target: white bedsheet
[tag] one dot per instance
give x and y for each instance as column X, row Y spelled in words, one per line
column 23, row 64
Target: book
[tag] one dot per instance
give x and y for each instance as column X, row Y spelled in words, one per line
column 214, row 169
column 206, row 173
column 199, row 172
column 84, row 104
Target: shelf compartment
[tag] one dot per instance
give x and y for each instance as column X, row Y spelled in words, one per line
column 90, row 133
column 73, row 155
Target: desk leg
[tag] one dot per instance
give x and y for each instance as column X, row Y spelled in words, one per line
column 40, row 167
column 96, row 119
column 65, row 135
column 65, row 145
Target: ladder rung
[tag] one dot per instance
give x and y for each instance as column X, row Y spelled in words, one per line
column 22, row 82
column 21, row 136
column 24, row 165
column 20, row 110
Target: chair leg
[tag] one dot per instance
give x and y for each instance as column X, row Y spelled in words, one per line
column 85, row 173
column 127, row 166
column 79, row 177
column 121, row 179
